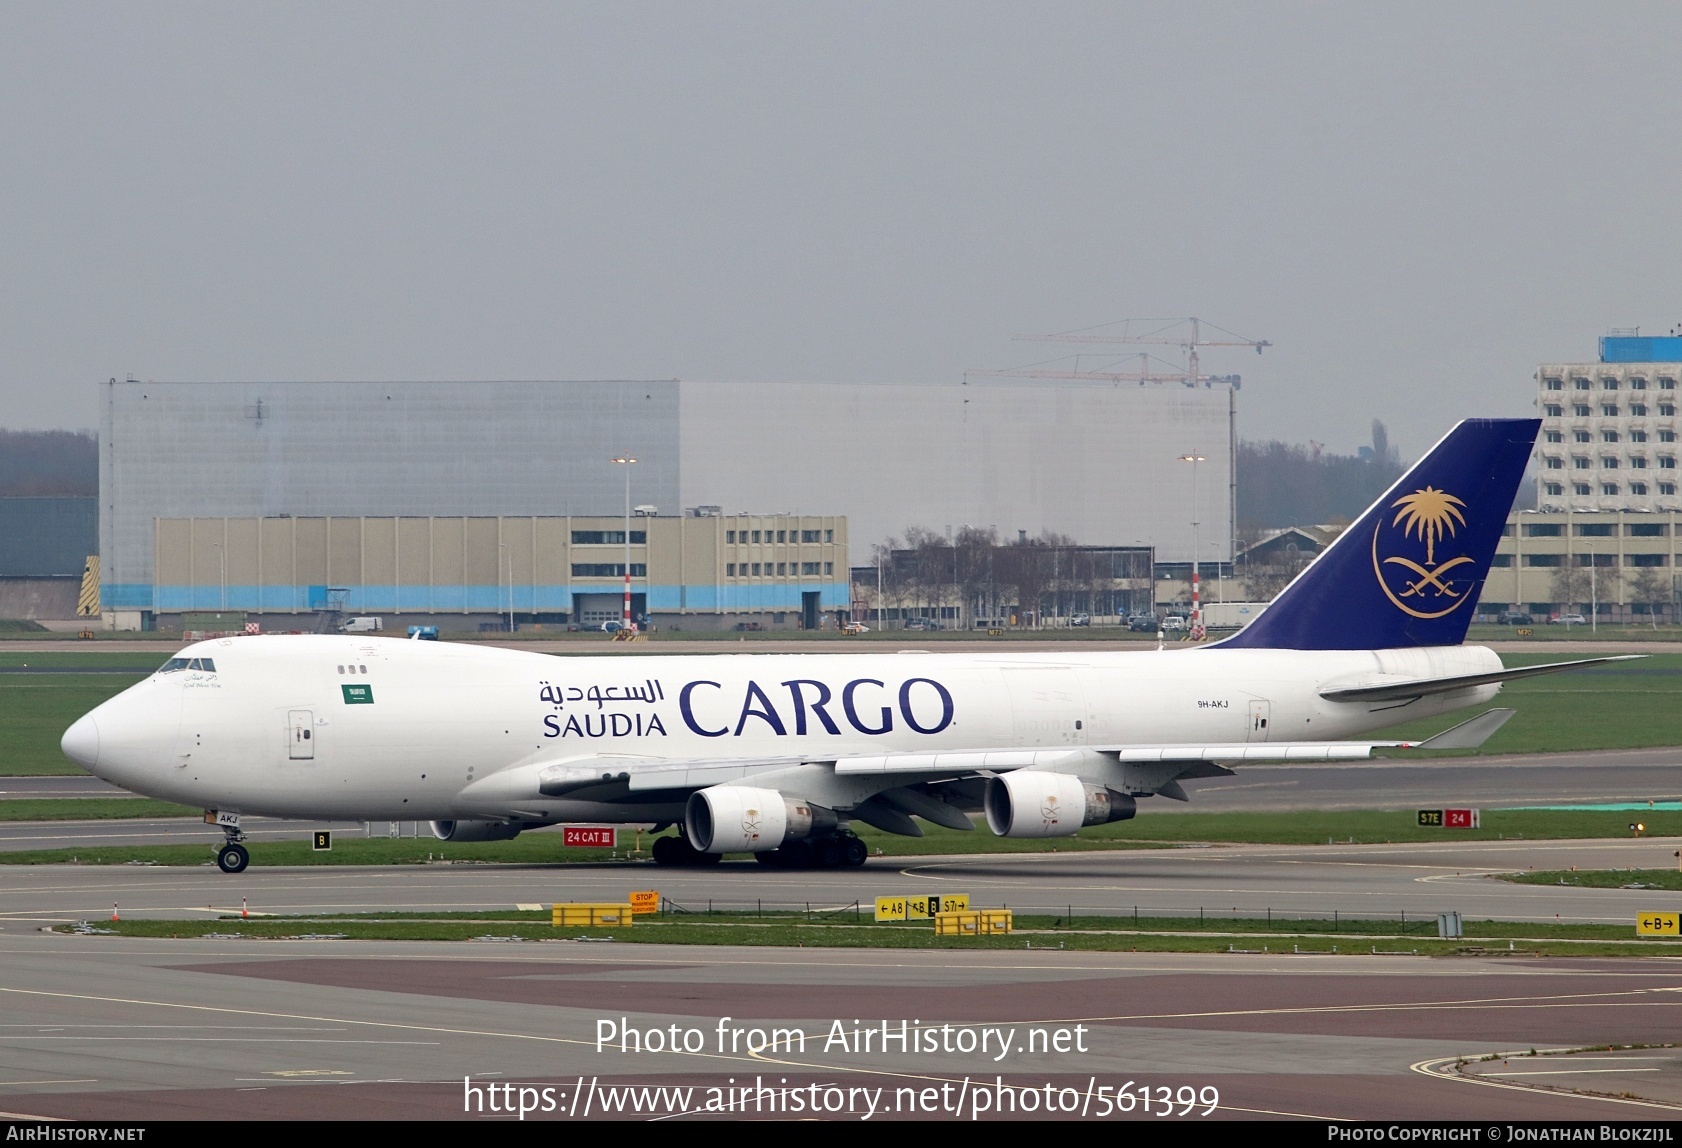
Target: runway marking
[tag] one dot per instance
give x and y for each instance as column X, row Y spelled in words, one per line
column 1563, row 1071
column 341, row 1020
column 12, row 1083
column 236, row 1039
column 1437, row 1070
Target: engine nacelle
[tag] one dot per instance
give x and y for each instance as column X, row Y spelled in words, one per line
column 1035, row 803
column 742, row 819
column 476, row 830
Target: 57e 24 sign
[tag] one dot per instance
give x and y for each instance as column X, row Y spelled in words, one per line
column 1449, row 818
column 589, row 836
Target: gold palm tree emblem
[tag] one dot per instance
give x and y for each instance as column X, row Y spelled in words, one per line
column 1430, row 515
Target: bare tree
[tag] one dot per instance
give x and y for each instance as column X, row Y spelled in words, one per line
column 1263, row 581
column 1650, row 587
column 1570, row 586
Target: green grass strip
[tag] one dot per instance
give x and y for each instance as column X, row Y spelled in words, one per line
column 790, row 930
column 1658, row 879
column 89, row 809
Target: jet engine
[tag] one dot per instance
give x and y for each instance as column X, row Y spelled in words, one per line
column 476, row 830
column 742, row 819
column 1035, row 803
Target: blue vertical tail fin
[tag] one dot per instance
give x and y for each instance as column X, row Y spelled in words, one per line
column 1410, row 570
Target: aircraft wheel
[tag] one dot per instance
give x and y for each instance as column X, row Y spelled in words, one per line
column 700, row 858
column 666, row 851
column 767, row 857
column 796, row 854
column 854, row 852
column 827, row 853
column 232, row 858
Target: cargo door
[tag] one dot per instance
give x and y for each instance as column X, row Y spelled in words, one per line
column 1259, row 715
column 301, row 735
column 1047, row 705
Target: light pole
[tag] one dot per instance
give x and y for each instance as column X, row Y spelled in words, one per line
column 1195, row 632
column 501, row 547
column 626, row 461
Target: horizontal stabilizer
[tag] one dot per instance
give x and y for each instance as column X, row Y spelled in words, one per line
column 1469, row 734
column 1422, row 687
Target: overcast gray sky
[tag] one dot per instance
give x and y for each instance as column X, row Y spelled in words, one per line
column 1416, row 203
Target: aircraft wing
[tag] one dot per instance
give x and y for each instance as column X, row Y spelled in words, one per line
column 611, row 778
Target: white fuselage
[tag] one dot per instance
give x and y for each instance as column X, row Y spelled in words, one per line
column 359, row 727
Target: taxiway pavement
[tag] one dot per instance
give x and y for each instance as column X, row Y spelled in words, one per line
column 105, row 1028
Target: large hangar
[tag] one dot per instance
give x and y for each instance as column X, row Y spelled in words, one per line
column 1095, row 461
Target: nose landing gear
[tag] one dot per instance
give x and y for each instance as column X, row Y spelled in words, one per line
column 233, row 857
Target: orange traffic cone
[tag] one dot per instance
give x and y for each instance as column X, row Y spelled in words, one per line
column 243, row 911
column 114, row 916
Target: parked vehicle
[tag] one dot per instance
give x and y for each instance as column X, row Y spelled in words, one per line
column 424, row 633
column 1568, row 620
column 1515, row 618
column 363, row 625
column 854, row 628
column 1081, row 620
column 1174, row 622
column 1143, row 623
column 613, row 626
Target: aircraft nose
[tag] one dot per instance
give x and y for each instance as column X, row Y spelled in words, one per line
column 81, row 743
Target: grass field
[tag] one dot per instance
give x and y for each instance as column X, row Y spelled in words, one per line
column 1664, row 879
column 89, row 809
column 852, row 927
column 36, row 709
column 1625, row 705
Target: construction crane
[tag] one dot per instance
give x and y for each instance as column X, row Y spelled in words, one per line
column 1188, row 335
column 1165, row 372
column 1161, row 332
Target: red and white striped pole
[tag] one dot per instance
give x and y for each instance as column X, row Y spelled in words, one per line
column 1195, row 630
column 626, row 460
column 1196, row 607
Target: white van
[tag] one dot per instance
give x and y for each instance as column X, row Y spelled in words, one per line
column 362, row 625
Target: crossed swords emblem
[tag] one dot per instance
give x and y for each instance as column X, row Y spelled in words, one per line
column 1432, row 577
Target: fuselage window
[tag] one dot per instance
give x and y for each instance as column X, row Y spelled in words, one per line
column 341, row 669
column 208, row 665
column 361, row 669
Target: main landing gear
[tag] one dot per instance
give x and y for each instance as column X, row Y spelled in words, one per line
column 233, row 857
column 678, row 851
column 829, row 852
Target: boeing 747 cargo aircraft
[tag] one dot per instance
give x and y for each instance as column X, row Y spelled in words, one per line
column 778, row 754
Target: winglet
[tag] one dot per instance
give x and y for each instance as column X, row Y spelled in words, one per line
column 1410, row 570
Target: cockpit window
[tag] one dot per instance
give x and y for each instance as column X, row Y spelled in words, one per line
column 208, row 665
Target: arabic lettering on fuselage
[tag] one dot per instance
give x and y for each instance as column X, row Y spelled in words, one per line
column 650, row 691
column 797, row 707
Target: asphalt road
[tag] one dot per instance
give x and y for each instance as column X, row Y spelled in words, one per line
column 114, row 1029
column 1419, row 881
